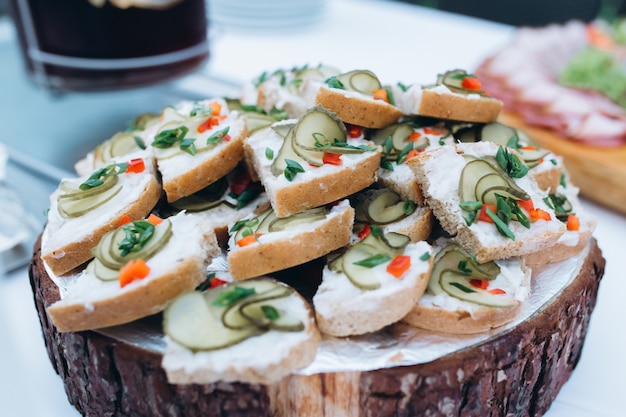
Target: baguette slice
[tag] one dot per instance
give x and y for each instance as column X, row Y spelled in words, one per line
column 218, row 135
column 316, row 186
column 572, row 241
column 442, row 102
column 179, row 266
column 439, row 173
column 357, row 108
column 260, row 359
column 447, row 314
column 344, row 309
column 67, row 242
column 277, row 250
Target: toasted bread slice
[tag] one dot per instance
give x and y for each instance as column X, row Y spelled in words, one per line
column 439, row 174
column 180, row 265
column 197, row 143
column 68, row 239
column 443, row 102
column 446, row 313
column 357, row 108
column 267, row 249
column 264, row 357
column 344, row 308
column 316, row 185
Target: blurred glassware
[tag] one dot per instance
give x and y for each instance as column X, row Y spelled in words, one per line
column 92, row 45
column 267, row 15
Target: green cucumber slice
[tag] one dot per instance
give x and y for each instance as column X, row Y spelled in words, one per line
column 191, row 320
column 458, row 286
column 360, row 81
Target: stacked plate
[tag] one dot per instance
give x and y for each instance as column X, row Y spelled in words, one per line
column 265, row 15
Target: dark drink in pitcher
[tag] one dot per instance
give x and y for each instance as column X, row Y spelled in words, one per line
column 83, row 45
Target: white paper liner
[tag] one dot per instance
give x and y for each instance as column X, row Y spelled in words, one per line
column 396, row 345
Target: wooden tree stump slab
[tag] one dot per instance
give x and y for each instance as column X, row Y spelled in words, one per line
column 517, row 373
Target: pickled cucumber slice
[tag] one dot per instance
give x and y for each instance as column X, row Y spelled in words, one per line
column 360, row 81
column 458, row 286
column 360, row 276
column 192, row 321
column 317, row 128
column 295, row 220
column 205, row 199
column 381, row 207
column 75, row 207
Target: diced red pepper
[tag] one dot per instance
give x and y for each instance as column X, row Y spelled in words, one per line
column 413, row 137
column 483, row 216
column 539, row 214
column 380, row 94
column 125, row 220
column 136, row 166
column 355, row 131
column 471, row 83
column 154, row 219
column 527, row 205
column 248, row 240
column 573, row 222
column 399, row 265
column 216, row 282
column 134, row 270
column 496, row 291
column 331, row 158
column 479, row 283
column 210, row 123
column 412, row 154
column 366, row 231
column 431, row 131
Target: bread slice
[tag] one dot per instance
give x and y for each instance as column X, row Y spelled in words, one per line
column 447, row 314
column 574, row 240
column 357, row 108
column 262, row 359
column 439, row 172
column 91, row 303
column 277, row 250
column 67, row 241
column 344, row 309
column 218, row 135
column 442, row 103
column 316, row 186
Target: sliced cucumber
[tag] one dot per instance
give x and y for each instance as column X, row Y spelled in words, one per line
column 75, row 207
column 316, row 129
column 258, row 121
column 286, row 152
column 205, row 199
column 282, row 129
column 360, row 276
column 458, row 286
column 192, row 321
column 382, row 207
column 454, row 258
column 473, row 171
column 263, row 290
column 360, row 81
column 295, row 220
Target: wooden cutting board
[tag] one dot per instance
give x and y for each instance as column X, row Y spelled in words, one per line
column 599, row 172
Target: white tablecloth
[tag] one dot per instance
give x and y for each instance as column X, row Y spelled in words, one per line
column 399, row 42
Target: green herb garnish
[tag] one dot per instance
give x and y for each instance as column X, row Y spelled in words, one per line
column 292, row 169
column 96, row 179
column 270, row 312
column 333, row 82
column 373, row 260
column 511, row 163
column 137, row 234
column 228, row 298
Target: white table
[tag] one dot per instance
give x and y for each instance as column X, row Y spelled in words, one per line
column 398, row 42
